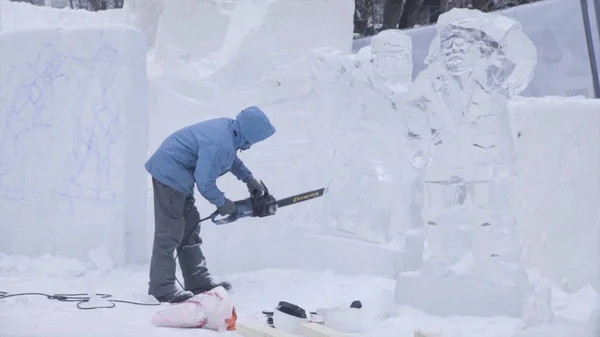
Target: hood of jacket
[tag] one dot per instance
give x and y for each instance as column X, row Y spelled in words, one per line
column 251, row 126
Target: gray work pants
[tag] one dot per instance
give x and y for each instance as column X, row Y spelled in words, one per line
column 176, row 227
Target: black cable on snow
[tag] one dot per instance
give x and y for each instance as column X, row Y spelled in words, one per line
column 79, row 298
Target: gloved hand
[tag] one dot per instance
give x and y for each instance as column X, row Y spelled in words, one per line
column 254, row 186
column 228, row 208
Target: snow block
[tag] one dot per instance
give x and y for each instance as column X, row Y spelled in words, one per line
column 73, row 142
column 557, row 192
column 246, row 38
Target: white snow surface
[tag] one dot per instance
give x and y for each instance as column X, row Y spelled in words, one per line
column 253, row 292
column 318, row 266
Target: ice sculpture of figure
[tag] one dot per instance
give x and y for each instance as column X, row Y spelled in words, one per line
column 390, row 58
column 366, row 186
column 386, row 88
column 458, row 132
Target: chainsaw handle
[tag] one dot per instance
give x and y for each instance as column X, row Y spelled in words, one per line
column 230, row 218
column 265, row 187
column 256, row 196
column 243, row 208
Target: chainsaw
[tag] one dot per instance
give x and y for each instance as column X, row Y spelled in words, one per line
column 262, row 205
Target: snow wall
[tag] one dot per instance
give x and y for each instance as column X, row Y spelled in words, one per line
column 73, row 141
column 557, row 195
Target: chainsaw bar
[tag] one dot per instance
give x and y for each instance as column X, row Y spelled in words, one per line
column 244, row 208
column 294, row 199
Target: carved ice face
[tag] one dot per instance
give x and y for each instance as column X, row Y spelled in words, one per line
column 461, row 51
column 392, row 56
column 392, row 65
column 458, row 51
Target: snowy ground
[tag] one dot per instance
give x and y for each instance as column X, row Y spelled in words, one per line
column 254, row 291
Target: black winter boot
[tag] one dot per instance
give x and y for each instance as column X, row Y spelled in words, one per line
column 209, row 285
column 176, row 296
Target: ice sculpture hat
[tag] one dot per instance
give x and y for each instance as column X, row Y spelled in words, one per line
column 503, row 31
column 392, row 50
column 391, row 40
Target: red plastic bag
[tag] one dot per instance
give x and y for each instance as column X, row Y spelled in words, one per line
column 209, row 310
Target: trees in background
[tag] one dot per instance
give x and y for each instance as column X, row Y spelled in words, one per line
column 370, row 16
column 373, row 16
column 91, row 5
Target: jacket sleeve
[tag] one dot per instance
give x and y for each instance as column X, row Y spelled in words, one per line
column 208, row 169
column 239, row 170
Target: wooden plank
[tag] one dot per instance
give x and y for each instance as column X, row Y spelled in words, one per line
column 260, row 330
column 421, row 333
column 319, row 330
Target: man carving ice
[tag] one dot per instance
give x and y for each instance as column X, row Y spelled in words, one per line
column 197, row 154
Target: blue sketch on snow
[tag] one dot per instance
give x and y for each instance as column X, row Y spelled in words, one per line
column 95, row 121
column 27, row 117
column 96, row 125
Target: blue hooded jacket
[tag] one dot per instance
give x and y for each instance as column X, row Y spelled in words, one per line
column 202, row 152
